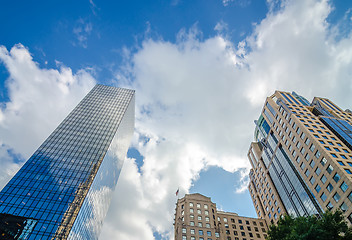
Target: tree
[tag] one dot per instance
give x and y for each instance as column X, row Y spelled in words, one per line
column 330, row 226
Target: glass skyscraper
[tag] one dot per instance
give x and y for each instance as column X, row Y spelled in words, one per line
column 301, row 158
column 64, row 189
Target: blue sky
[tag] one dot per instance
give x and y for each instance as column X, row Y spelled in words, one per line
column 201, row 71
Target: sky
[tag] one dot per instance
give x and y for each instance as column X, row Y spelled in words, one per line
column 201, row 71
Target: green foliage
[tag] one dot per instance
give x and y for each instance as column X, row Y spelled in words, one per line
column 331, row 226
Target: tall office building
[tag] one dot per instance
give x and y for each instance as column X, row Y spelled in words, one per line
column 197, row 218
column 64, row 189
column 301, row 158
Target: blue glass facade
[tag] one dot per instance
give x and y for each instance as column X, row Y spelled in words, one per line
column 64, row 189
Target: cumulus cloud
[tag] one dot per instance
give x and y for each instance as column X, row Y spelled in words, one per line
column 197, row 99
column 39, row 99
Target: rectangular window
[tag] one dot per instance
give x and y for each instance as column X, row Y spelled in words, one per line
column 323, row 179
column 312, row 180
column 323, row 197
column 336, row 177
column 323, row 161
column 330, row 169
column 317, row 188
column 317, row 154
column 341, row 163
column 329, row 187
column 344, row 207
column 344, row 187
column 336, row 197
column 329, row 206
column 317, row 171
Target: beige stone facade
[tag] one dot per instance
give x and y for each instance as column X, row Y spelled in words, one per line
column 302, row 158
column 197, row 218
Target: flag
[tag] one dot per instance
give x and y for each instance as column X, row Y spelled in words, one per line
column 177, row 192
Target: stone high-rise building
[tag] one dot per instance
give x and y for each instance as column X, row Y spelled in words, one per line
column 301, row 158
column 63, row 191
column 197, row 218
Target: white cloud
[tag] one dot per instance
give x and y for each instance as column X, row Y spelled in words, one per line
column 196, row 102
column 82, row 31
column 197, row 99
column 39, row 99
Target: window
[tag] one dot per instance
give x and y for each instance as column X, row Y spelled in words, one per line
column 336, row 177
column 200, row 224
column 344, row 207
column 193, row 238
column 241, row 227
column 303, row 150
column 199, row 211
column 312, row 180
column 312, row 147
column 348, row 171
column 206, row 212
column 334, row 155
column 209, row 233
column 207, row 219
column 191, row 223
column 235, row 233
column 184, row 238
column 217, row 234
column 184, row 230
column 329, row 206
column 225, row 220
column 323, row 197
column 317, row 171
column 317, row 188
column 341, row 163
column 198, row 205
column 200, row 232
column 323, row 179
column 344, row 187
column 207, row 225
column 205, row 206
column 350, row 196
column 307, row 157
column 330, row 169
column 336, row 197
column 307, row 172
column 199, row 218
column 303, row 165
column 317, row 154
column 239, row 221
column 307, row 141
column 323, row 161
column 329, row 187
column 337, row 150
column 243, row 233
column 191, row 204
column 191, row 216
